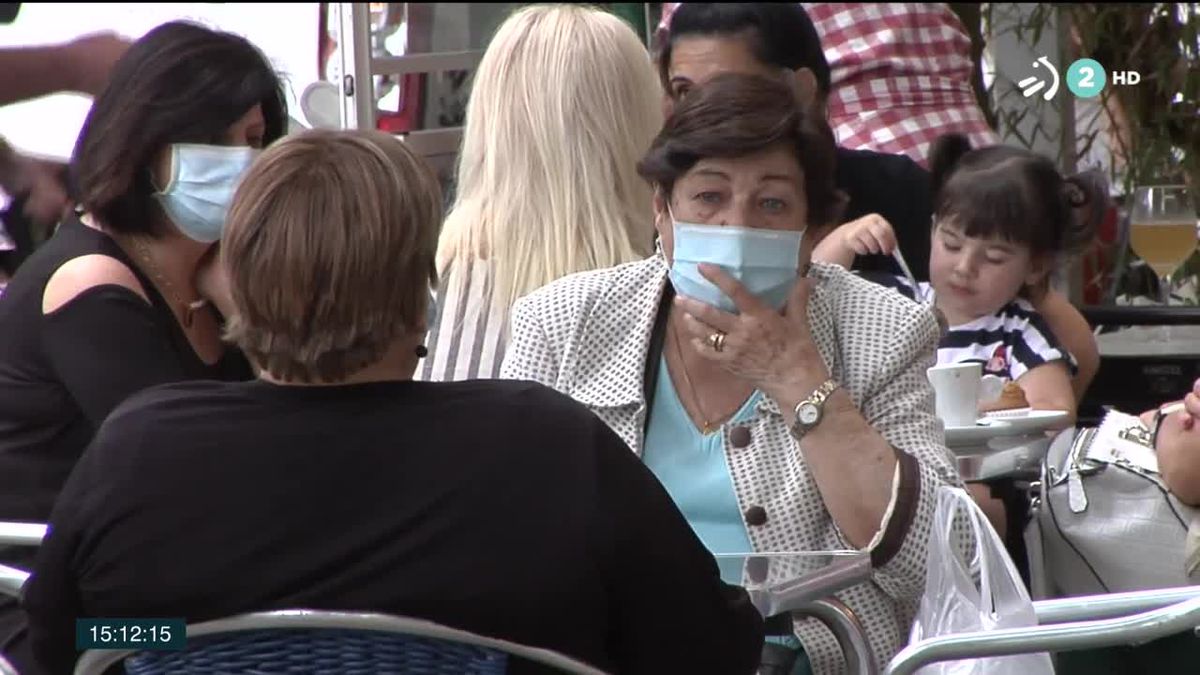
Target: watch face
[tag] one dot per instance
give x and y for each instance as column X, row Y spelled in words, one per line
column 808, row 414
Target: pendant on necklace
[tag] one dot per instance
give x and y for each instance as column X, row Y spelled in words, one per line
column 189, row 311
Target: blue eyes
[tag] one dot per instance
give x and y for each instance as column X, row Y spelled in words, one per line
column 768, row 204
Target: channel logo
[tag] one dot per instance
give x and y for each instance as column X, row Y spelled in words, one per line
column 1086, row 78
column 1033, row 84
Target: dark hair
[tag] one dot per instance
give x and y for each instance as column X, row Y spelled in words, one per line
column 734, row 115
column 180, row 83
column 9, row 12
column 780, row 34
column 1015, row 194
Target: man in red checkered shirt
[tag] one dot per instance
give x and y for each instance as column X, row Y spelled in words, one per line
column 900, row 75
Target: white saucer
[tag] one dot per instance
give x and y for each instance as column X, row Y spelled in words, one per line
column 980, row 432
column 1029, row 420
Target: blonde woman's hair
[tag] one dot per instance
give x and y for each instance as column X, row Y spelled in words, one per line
column 565, row 102
column 329, row 246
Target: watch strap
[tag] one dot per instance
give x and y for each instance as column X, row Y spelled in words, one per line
column 823, row 392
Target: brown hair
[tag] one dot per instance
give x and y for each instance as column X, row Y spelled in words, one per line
column 330, row 252
column 179, row 83
column 736, row 115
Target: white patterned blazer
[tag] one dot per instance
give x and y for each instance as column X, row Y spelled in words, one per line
column 588, row 335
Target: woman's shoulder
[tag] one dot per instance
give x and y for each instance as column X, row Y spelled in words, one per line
column 82, row 273
column 582, row 290
column 76, row 259
column 853, row 298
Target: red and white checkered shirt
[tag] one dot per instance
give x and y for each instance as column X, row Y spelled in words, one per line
column 900, row 75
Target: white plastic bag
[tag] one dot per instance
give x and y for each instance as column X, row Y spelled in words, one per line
column 954, row 604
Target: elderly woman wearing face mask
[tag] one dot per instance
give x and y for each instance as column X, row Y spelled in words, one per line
column 122, row 297
column 784, row 405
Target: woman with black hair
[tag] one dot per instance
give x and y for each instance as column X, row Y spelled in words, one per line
column 122, row 296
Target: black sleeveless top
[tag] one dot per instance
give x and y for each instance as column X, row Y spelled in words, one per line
column 62, row 373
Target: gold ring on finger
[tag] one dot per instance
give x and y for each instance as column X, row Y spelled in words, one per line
column 717, row 341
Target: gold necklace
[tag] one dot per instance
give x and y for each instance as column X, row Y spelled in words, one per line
column 189, row 309
column 709, row 426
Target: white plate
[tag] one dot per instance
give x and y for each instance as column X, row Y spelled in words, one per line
column 981, row 432
column 1030, row 420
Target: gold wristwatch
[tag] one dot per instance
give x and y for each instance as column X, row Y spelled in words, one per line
column 810, row 411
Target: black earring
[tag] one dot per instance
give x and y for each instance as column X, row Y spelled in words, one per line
column 422, row 352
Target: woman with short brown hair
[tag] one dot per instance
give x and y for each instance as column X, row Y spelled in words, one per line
column 366, row 203
column 337, row 482
column 784, row 407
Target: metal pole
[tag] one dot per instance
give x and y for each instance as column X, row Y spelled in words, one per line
column 358, row 85
column 1092, row 607
column 848, row 630
column 1136, row 629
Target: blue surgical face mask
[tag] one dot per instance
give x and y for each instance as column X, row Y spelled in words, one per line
column 203, row 178
column 766, row 262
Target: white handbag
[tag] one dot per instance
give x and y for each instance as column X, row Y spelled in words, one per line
column 1105, row 520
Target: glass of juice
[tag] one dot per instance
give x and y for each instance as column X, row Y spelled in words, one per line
column 1163, row 230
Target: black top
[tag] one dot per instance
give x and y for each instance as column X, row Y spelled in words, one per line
column 898, row 189
column 62, row 373
column 498, row 507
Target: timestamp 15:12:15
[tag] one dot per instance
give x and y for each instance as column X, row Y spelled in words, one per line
column 136, row 634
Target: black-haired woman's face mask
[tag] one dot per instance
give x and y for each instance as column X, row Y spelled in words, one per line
column 197, row 180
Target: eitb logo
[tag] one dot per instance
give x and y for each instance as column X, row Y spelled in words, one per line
column 1086, row 78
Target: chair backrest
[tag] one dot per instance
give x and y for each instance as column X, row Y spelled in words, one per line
column 22, row 534
column 11, row 580
column 319, row 651
column 320, row 642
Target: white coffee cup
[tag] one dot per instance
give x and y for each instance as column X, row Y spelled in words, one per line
column 958, row 388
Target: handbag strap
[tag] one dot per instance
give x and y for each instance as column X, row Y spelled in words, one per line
column 654, row 354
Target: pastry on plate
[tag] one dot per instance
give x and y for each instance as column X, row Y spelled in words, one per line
column 1012, row 397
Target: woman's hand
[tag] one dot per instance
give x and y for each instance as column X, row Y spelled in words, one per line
column 1191, row 407
column 1187, row 417
column 774, row 352
column 1177, row 445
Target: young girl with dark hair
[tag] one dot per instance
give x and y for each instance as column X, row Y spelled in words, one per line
column 1004, row 219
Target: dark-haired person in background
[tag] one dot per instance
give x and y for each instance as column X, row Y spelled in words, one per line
column 120, row 298
column 778, row 39
column 886, row 192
